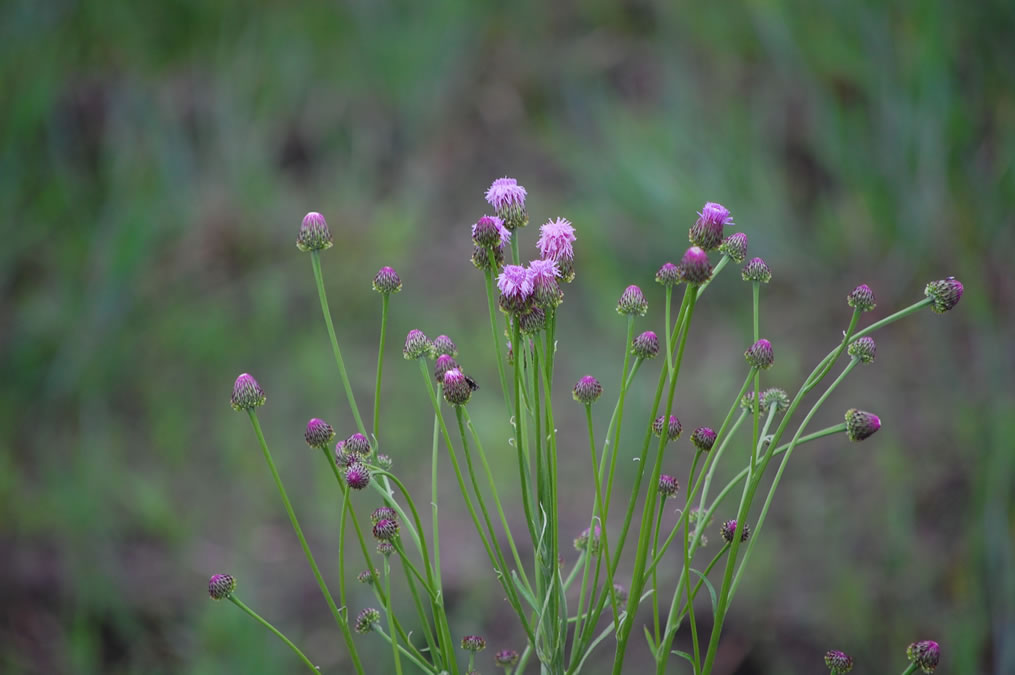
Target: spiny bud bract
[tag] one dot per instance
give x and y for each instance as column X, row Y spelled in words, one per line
column 668, row 485
column 729, row 528
column 367, row 619
column 671, row 426
column 457, row 390
column 756, row 270
column 247, row 393
column 945, row 293
column 357, row 476
column 694, row 266
column 314, row 234
column 776, row 397
column 838, row 662
column 925, row 654
column 384, row 461
column 735, row 246
column 506, row 658
column 487, row 232
column 632, row 301
column 861, row 424
column 668, row 275
column 385, row 548
column 703, row 438
column 861, row 298
column 482, row 259
column 386, row 529
column 357, row 444
column 386, row 281
column 588, row 390
column 417, row 345
column 532, row 321
column 443, row 364
column 646, row 345
column 383, row 513
column 707, row 231
column 318, row 433
column 863, row 350
column 344, row 458
column 473, row 643
column 221, row 586
column 368, row 576
column 443, row 345
column 760, row 355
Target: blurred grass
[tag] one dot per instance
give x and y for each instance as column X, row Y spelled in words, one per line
column 155, row 161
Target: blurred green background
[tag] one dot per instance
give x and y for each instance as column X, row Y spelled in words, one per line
column 156, row 160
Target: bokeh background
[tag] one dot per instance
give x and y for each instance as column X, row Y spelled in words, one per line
column 156, row 160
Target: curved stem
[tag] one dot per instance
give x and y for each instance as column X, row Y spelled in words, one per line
column 391, row 617
column 380, row 362
column 257, row 617
column 422, row 665
column 492, row 306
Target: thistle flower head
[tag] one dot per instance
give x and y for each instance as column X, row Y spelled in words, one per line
column 368, row 576
column 861, row 424
column 861, row 298
column 385, row 548
column 735, row 246
column 747, row 401
column 221, row 586
column 863, row 350
column 386, row 529
column 314, row 234
column 756, row 270
column 344, row 458
column 443, row 364
column 555, row 240
column 357, row 476
column 694, row 266
column 457, row 389
column 703, row 438
column 838, row 662
column 357, row 444
column 506, row 658
column 473, row 643
column 319, row 433
column 443, row 345
column 386, row 281
column 668, row 275
column 945, row 293
column 543, row 276
column 632, row 301
column 670, row 426
column 668, row 485
column 646, row 345
column 384, row 461
column 417, row 345
column 383, row 513
column 367, row 619
column 515, row 288
column 489, row 231
column 925, row 654
column 760, row 355
column 532, row 321
column 589, row 539
column 773, row 396
column 707, row 231
column 247, row 393
column 507, row 197
column 729, row 529
column 588, row 390
column 482, row 259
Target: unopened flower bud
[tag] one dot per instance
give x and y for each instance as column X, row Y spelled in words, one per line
column 343, row 458
column 357, row 444
column 443, row 345
column 532, row 321
column 368, row 576
column 735, row 246
column 386, row 529
column 314, row 234
column 863, row 350
column 319, row 433
column 729, row 529
column 926, row 654
column 646, row 345
column 756, row 270
column 945, row 293
column 588, row 390
column 861, row 424
column 861, row 298
column 385, row 548
column 775, row 397
column 487, row 232
column 668, row 275
column 383, row 513
column 588, row 540
column 417, row 345
column 357, row 476
column 506, row 658
column 443, row 364
column 668, row 485
column 747, row 401
column 694, row 266
column 457, row 390
column 482, row 260
column 703, row 438
column 247, row 393
column 367, row 619
column 760, row 355
column 671, row 427
column 221, row 586
column 384, row 461
column 473, row 643
column 707, row 231
column 632, row 302
column 387, row 281
column 838, row 662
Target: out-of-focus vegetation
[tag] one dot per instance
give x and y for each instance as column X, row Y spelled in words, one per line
column 156, row 159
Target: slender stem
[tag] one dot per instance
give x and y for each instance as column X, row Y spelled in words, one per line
column 391, row 615
column 425, row 667
column 756, row 405
column 380, row 362
column 911, row 668
column 492, row 306
column 669, row 354
column 655, row 578
column 433, row 507
column 261, row 620
column 686, row 573
column 614, row 450
column 901, row 314
column 616, row 419
column 601, row 509
column 523, row 464
column 339, row 619
column 319, row 278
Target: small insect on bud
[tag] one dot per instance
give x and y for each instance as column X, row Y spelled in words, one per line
column 671, row 427
column 357, row 444
column 368, row 577
column 489, row 231
column 386, row 529
column 319, row 433
column 708, row 229
column 863, row 350
column 703, row 438
column 443, row 364
column 694, row 266
column 247, row 393
column 925, row 654
column 417, row 345
column 357, row 476
column 838, row 662
column 314, row 234
column 760, row 355
column 729, row 529
column 385, row 548
column 443, row 345
column 383, row 513
column 735, row 246
column 775, row 397
column 668, row 275
column 632, row 302
column 861, row 298
column 646, row 345
column 861, row 424
column 386, row 281
column 506, row 658
column 473, row 643
column 457, row 390
column 367, row 619
column 588, row 390
column 945, row 293
column 756, row 270
column 668, row 486
column 221, row 586
column 384, row 462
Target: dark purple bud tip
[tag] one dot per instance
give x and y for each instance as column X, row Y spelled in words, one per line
column 489, row 231
column 221, row 586
column 838, row 662
column 694, row 266
column 863, row 350
column 417, row 345
column 457, row 390
column 386, row 529
column 588, row 390
column 760, row 355
column 506, row 658
column 775, row 397
column 367, row 619
column 703, row 438
column 319, row 433
column 945, row 293
column 671, row 427
column 861, row 298
column 247, row 393
column 357, row 476
column 707, row 231
column 668, row 485
column 646, row 345
column 735, row 247
column 925, row 654
column 668, row 275
column 473, row 643
column 443, row 346
column 357, row 444
column 729, row 530
column 861, row 424
column 632, row 301
column 756, row 270
column 314, row 234
column 387, row 281
column 383, row 513
column 443, row 364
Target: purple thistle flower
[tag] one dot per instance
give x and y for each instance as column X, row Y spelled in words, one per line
column 945, row 293
column 668, row 275
column 668, row 485
column 863, row 350
column 555, row 239
column 473, row 643
column 342, row 458
column 386, row 281
column 515, row 288
column 357, row 444
column 646, row 345
column 417, row 345
column 385, row 548
column 756, row 270
column 838, row 662
column 442, row 344
column 543, row 277
column 632, row 301
column 489, row 231
column 314, row 234
column 319, row 433
column 703, row 438
column 861, row 425
column 357, row 476
column 588, row 390
column 760, row 355
column 589, row 539
column 457, row 389
column 506, row 658
column 861, row 298
column 386, row 529
column 735, row 246
column 707, row 231
column 368, row 576
column 221, row 586
column 694, row 266
column 729, row 529
column 247, row 393
column 383, row 513
column 672, row 427
column 367, row 619
column 507, row 197
column 443, row 364
column 925, row 654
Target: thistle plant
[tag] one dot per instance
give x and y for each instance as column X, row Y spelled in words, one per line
column 571, row 611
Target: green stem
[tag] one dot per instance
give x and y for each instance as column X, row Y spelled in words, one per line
column 687, row 575
column 756, row 293
column 380, row 362
column 620, row 416
column 669, row 355
column 911, row 668
column 257, row 617
column 655, row 577
column 523, row 464
column 601, row 509
column 492, row 306
column 425, row 667
column 391, row 615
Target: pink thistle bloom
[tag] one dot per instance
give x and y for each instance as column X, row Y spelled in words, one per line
column 716, row 213
column 543, row 274
column 514, row 283
column 555, row 239
column 504, row 193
